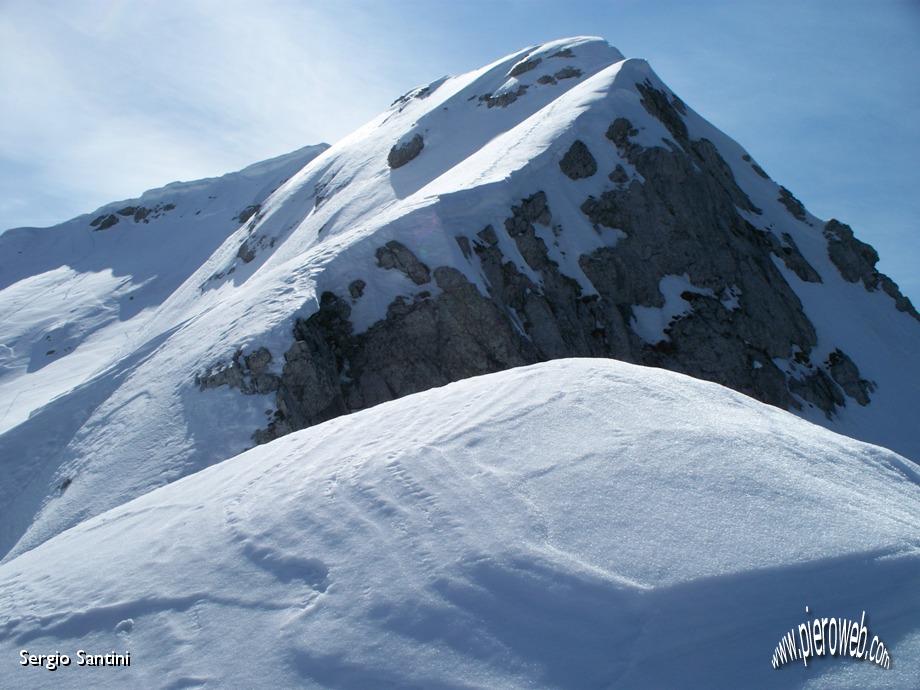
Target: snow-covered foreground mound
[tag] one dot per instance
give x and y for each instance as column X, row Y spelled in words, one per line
column 580, row 523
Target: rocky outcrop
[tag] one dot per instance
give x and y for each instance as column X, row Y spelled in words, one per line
column 395, row 255
column 856, row 262
column 793, row 205
column 104, row 222
column 249, row 373
column 401, row 154
column 578, row 162
column 682, row 216
column 503, row 100
column 845, row 372
column 523, row 66
column 248, row 212
column 140, row 214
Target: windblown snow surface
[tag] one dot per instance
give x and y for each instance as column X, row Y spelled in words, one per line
column 579, row 523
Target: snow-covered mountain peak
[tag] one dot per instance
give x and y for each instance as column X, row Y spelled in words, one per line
column 558, row 202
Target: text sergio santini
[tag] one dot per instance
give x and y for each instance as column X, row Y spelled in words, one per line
column 53, row 661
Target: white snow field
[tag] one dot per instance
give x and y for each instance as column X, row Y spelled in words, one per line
column 576, row 524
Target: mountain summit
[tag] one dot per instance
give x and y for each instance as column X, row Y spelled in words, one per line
column 559, row 202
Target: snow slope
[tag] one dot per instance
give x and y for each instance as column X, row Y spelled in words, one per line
column 115, row 411
column 579, row 523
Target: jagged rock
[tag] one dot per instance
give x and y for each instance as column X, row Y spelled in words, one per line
column 248, row 212
column 578, row 162
column 546, row 79
column 401, row 154
column 127, row 211
column 901, row 302
column 396, row 255
column 356, row 288
column 845, row 372
column 249, row 374
column 818, row 389
column 564, row 53
column 757, row 169
column 524, row 66
column 104, row 222
column 682, row 220
column 246, row 252
column 619, row 175
column 619, row 133
column 464, row 243
column 788, row 251
column 567, row 73
column 658, row 105
column 793, row 205
column 505, row 99
column 854, row 259
column 487, row 235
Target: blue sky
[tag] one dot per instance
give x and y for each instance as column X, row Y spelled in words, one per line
column 103, row 99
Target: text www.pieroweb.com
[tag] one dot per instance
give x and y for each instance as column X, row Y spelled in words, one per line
column 838, row 637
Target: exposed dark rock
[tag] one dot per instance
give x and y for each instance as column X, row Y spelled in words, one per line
column 793, row 205
column 396, row 255
column 683, row 220
column 619, row 175
column 901, row 302
column 567, row 73
column 658, row 105
column 248, row 212
column 524, row 66
column 564, row 53
column 546, row 79
column 845, row 372
column 487, row 235
column 464, row 243
column 401, row 154
column 578, row 162
column 856, row 261
column 246, row 252
column 356, row 288
column 140, row 214
column 757, row 169
column 788, row 251
column 818, row 389
column 505, row 99
column 249, row 374
column 104, row 222
column 619, row 133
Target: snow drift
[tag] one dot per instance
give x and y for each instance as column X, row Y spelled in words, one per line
column 580, row 523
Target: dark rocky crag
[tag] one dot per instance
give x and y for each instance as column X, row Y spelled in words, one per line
column 683, row 220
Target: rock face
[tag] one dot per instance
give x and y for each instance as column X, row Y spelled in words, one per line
column 629, row 237
column 401, row 154
column 578, row 162
column 685, row 222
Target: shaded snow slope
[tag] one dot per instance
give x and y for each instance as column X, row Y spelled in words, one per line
column 116, row 409
column 76, row 297
column 579, row 523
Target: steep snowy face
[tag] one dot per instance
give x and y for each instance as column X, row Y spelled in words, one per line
column 578, row 523
column 559, row 202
